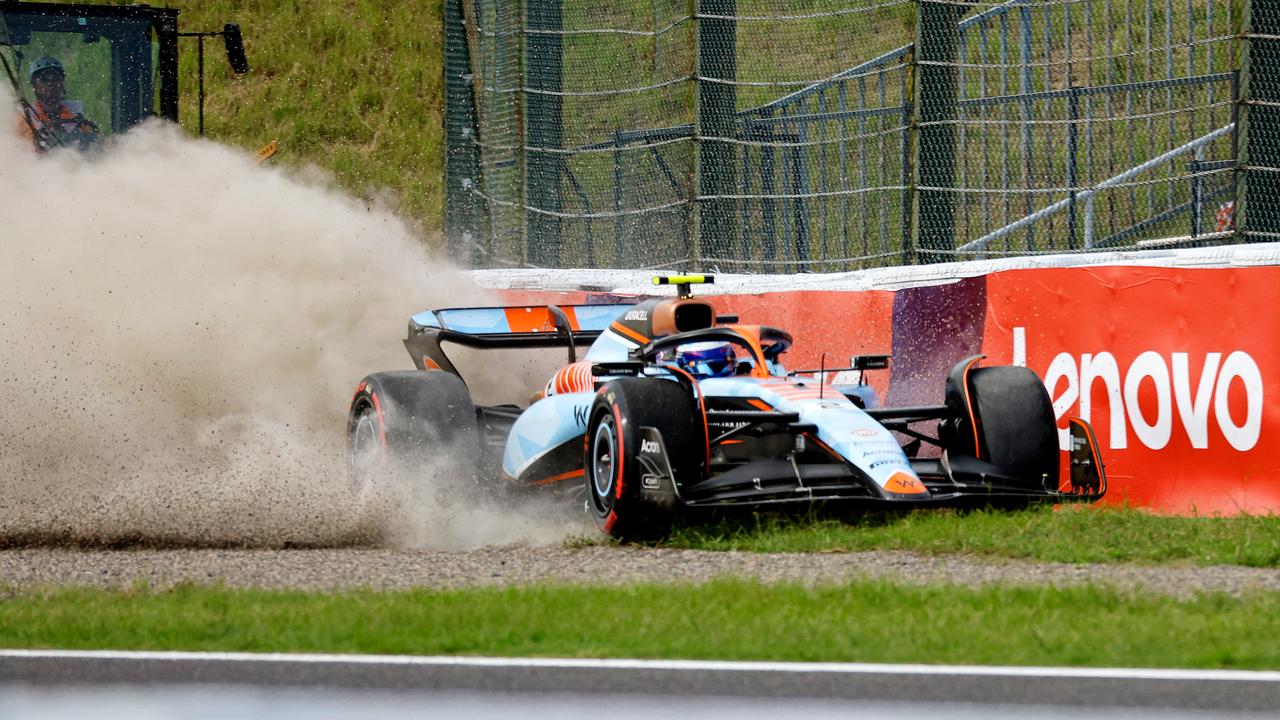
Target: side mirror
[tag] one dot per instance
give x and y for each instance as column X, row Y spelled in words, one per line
column 235, row 48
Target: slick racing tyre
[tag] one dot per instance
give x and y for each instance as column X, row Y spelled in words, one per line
column 403, row 428
column 644, row 440
column 1019, row 431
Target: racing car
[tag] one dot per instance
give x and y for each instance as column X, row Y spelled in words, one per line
column 673, row 408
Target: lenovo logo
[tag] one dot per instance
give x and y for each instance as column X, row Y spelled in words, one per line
column 1155, row 394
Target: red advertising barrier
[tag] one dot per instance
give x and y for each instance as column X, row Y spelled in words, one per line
column 1172, row 366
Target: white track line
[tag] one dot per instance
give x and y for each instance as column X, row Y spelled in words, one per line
column 629, row 664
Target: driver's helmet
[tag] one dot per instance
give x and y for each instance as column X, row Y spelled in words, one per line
column 707, row 359
column 44, row 64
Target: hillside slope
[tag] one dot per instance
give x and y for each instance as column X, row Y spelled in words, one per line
column 352, row 87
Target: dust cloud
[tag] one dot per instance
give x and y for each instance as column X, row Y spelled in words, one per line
column 182, row 330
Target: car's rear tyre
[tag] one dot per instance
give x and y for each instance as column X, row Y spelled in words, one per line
column 405, row 428
column 616, row 500
column 1017, row 428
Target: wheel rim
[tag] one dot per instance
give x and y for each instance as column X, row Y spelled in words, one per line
column 366, row 446
column 603, row 458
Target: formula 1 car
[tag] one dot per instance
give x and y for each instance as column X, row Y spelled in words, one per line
column 673, row 408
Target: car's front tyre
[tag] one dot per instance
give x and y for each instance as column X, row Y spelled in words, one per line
column 637, row 426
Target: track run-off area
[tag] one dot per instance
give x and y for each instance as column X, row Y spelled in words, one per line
column 519, row 565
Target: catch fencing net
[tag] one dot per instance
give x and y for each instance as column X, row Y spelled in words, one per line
column 1085, row 125
column 827, row 135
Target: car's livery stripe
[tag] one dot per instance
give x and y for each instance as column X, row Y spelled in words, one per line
column 628, row 333
column 788, row 391
column 535, row 319
column 830, row 450
column 570, row 475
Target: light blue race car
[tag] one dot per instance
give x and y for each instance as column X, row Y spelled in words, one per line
column 672, row 408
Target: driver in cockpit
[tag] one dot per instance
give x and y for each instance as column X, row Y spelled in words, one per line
column 708, row 359
column 52, row 120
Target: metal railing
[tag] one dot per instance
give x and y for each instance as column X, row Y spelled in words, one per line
column 1062, row 127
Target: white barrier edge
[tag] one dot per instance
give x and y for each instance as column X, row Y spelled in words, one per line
column 890, row 278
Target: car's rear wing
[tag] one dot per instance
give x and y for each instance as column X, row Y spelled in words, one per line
column 515, row 326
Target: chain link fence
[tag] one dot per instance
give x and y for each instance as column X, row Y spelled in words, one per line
column 825, row 135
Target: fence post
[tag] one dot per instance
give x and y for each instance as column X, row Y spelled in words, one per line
column 617, row 199
column 461, row 161
column 1073, row 110
column 544, row 128
column 716, row 67
column 1258, row 150
column 937, row 94
column 909, row 144
column 1197, row 192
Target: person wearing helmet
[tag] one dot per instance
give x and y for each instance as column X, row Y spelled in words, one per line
column 52, row 120
column 707, row 359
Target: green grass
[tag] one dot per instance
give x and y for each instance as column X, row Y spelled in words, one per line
column 1072, row 535
column 738, row 619
column 351, row 87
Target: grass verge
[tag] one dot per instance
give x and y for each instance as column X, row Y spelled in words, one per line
column 1071, row 534
column 738, row 619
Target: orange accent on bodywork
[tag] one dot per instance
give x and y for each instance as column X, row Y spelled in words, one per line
column 536, row 319
column 572, row 474
column 905, row 484
column 759, row 404
column 824, row 446
column 628, row 333
column 702, row 410
column 1093, row 451
column 752, row 334
column 573, row 378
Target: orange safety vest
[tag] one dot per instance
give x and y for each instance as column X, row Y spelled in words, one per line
column 68, row 120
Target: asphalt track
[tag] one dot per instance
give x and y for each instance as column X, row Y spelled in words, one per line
column 1233, row 693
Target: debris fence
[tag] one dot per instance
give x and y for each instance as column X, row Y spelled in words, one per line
column 829, row 135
